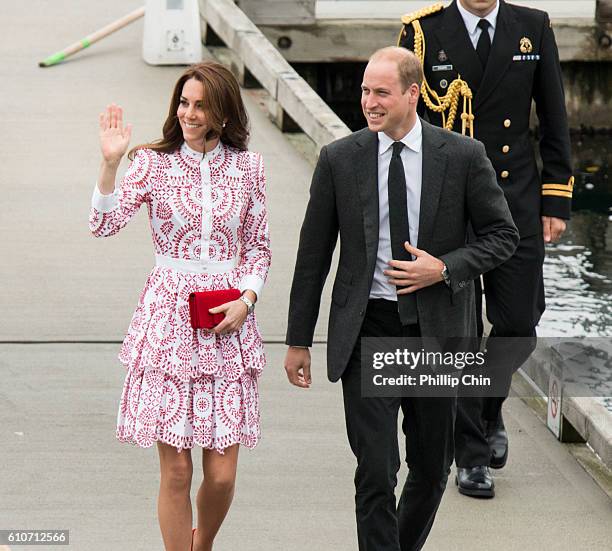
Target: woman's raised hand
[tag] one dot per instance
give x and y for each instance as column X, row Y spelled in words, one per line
column 114, row 137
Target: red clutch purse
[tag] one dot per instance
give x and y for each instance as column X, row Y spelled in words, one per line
column 201, row 302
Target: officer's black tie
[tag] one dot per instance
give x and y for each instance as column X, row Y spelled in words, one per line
column 483, row 46
column 399, row 229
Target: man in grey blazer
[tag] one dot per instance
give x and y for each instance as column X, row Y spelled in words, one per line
column 398, row 182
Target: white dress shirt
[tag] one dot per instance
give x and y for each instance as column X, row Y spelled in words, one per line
column 471, row 22
column 412, row 159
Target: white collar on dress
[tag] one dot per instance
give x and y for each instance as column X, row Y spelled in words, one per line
column 198, row 155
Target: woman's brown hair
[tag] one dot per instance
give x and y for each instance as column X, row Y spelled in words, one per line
column 222, row 101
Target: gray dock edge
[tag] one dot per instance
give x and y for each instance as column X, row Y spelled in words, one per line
column 291, row 94
column 588, row 419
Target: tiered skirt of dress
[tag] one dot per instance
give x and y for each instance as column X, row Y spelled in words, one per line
column 188, row 386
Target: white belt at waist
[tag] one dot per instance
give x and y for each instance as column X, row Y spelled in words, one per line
column 196, row 266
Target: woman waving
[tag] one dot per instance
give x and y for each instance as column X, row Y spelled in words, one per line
column 191, row 382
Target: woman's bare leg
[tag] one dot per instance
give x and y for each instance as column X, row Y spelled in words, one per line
column 174, row 503
column 215, row 494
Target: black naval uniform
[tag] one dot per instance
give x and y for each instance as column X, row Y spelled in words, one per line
column 523, row 64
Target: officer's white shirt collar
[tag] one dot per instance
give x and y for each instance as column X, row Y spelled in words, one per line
column 471, row 20
column 413, row 140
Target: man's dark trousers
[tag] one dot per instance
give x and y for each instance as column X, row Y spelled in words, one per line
column 428, row 425
column 514, row 293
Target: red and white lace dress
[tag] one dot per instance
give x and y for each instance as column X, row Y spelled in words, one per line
column 210, row 231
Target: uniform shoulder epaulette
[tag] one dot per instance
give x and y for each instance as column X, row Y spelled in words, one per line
column 423, row 12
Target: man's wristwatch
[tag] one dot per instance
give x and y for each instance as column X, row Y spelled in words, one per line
column 250, row 305
column 446, row 275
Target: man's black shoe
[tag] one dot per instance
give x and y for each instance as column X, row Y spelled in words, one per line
column 475, row 481
column 498, row 443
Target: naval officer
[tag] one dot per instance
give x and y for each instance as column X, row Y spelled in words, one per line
column 484, row 63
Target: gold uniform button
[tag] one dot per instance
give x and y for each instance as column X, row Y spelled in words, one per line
column 505, row 174
column 507, row 123
column 506, row 148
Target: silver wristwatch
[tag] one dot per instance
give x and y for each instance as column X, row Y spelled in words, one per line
column 446, row 275
column 250, row 305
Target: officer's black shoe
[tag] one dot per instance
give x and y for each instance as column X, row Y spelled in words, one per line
column 498, row 443
column 475, row 481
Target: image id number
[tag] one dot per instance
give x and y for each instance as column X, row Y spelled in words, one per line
column 34, row 537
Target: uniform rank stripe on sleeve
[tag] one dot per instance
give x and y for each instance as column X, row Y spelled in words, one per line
column 559, row 187
column 555, row 193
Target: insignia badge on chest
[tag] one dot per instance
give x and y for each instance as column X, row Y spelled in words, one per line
column 442, row 57
column 443, row 83
column 525, row 45
column 526, row 57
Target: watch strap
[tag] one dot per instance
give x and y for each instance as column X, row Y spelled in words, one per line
column 250, row 305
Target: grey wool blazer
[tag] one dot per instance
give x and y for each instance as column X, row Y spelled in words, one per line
column 459, row 189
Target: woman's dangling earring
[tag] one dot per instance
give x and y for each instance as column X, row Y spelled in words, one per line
column 223, row 125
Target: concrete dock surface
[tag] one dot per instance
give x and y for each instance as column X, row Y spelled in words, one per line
column 67, row 298
column 63, row 469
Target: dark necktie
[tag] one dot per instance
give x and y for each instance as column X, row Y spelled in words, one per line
column 399, row 228
column 483, row 46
